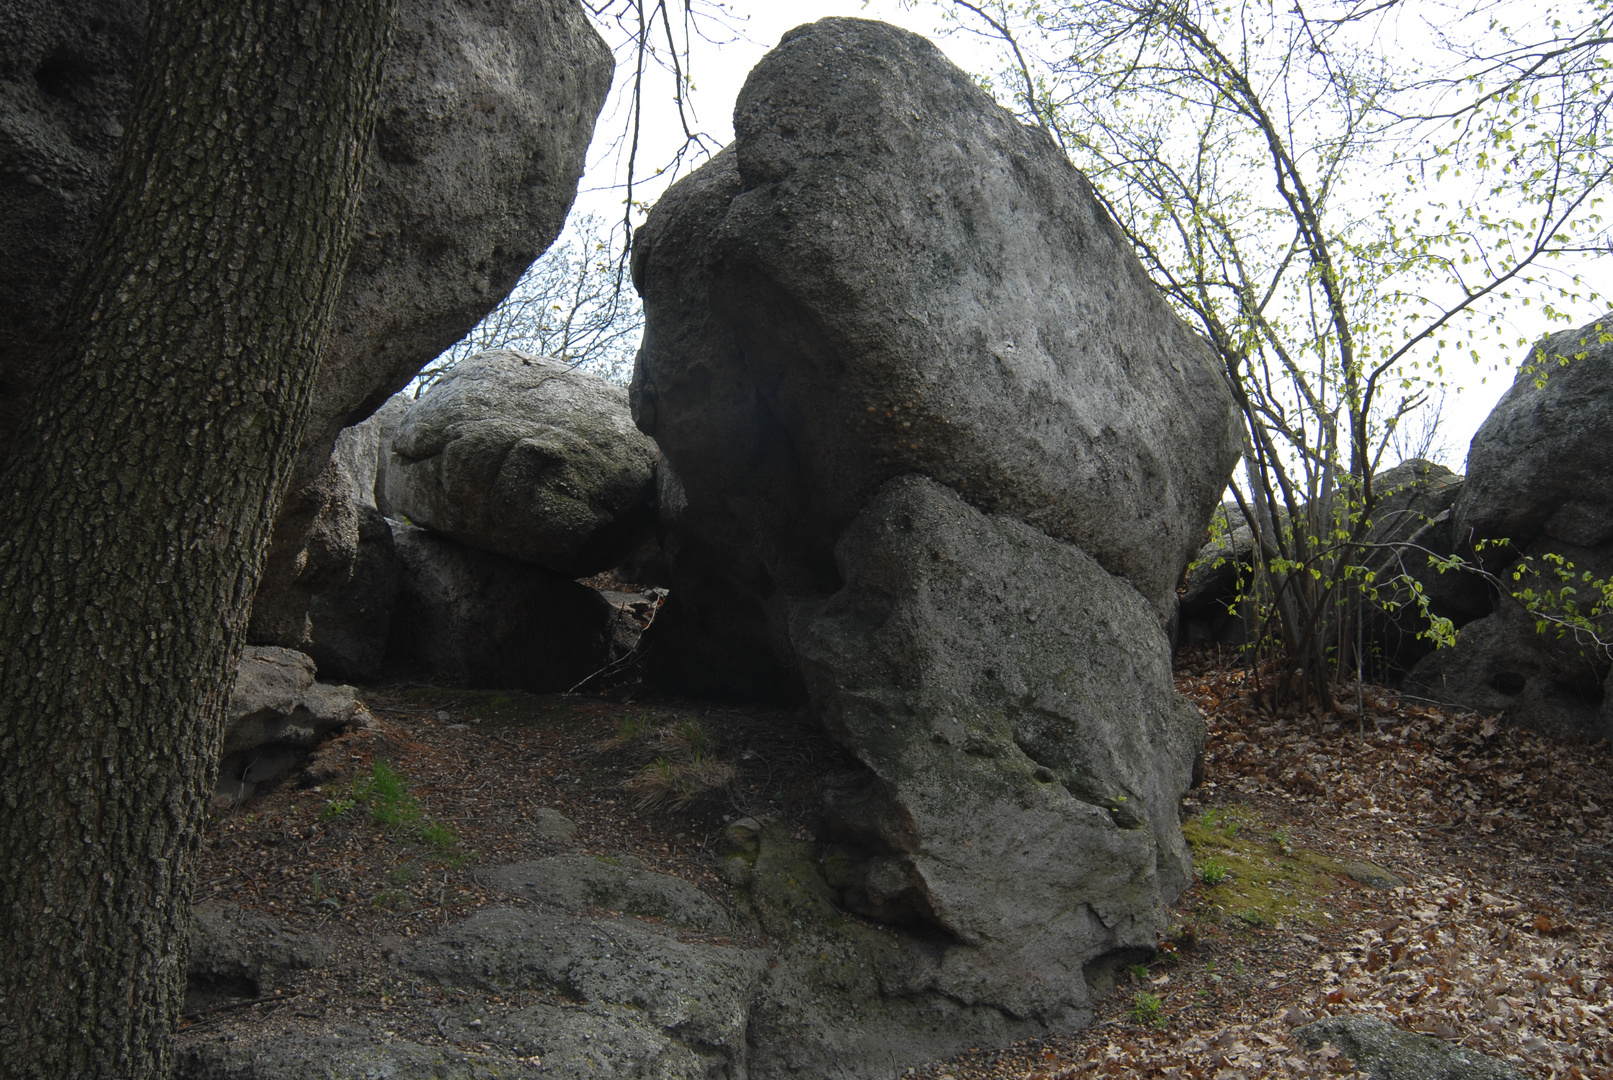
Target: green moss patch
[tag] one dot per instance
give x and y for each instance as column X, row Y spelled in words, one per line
column 1258, row 878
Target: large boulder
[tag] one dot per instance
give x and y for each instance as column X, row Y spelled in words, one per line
column 277, row 715
column 886, row 274
column 1550, row 678
column 487, row 109
column 471, row 618
column 1024, row 752
column 527, row 457
column 1540, row 478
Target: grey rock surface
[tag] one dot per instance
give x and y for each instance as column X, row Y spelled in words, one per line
column 1540, row 476
column 349, row 626
column 1541, row 464
column 551, row 824
column 1385, row 1052
column 1503, row 663
column 277, row 715
column 526, row 457
column 847, row 999
column 386, row 420
column 312, row 550
column 1025, row 751
column 237, row 954
column 698, row 993
column 548, row 1041
column 581, row 883
column 358, row 450
column 887, row 274
column 471, row 618
column 486, row 113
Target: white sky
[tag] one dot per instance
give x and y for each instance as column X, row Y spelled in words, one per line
column 719, row 70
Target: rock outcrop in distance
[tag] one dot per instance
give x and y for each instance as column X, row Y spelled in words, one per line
column 527, row 457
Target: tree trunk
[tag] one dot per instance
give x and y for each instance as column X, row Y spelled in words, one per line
column 139, row 499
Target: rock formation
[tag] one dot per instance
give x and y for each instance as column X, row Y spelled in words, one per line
column 1025, row 751
column 277, row 715
column 349, row 626
column 887, row 274
column 466, row 617
column 1540, row 476
column 1410, row 521
column 935, row 453
column 525, row 457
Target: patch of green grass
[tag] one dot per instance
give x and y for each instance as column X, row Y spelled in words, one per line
column 439, row 836
column 385, row 793
column 1212, row 872
column 1139, row 972
column 387, row 797
column 1147, row 1009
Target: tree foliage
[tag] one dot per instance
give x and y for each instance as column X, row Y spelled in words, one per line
column 572, row 304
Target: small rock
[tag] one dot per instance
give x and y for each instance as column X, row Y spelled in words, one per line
column 1386, row 1052
column 1373, row 877
column 552, row 824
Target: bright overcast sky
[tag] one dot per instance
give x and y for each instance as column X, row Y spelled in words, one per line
column 720, row 70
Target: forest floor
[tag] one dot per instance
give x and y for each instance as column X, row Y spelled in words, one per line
column 1414, row 862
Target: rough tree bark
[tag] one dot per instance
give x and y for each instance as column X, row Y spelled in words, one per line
column 139, row 502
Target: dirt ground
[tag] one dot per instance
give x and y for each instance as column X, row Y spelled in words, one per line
column 1423, row 864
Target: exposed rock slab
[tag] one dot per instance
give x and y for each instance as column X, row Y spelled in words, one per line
column 581, row 883
column 846, row 999
column 1385, row 1052
column 234, row 953
column 1025, row 750
column 486, row 113
column 887, row 274
column 526, row 457
column 471, row 618
column 697, row 993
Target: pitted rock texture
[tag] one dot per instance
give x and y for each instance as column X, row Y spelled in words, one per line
column 1504, row 663
column 486, row 114
column 886, row 274
column 581, row 883
column 526, row 457
column 697, row 993
column 1025, row 753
